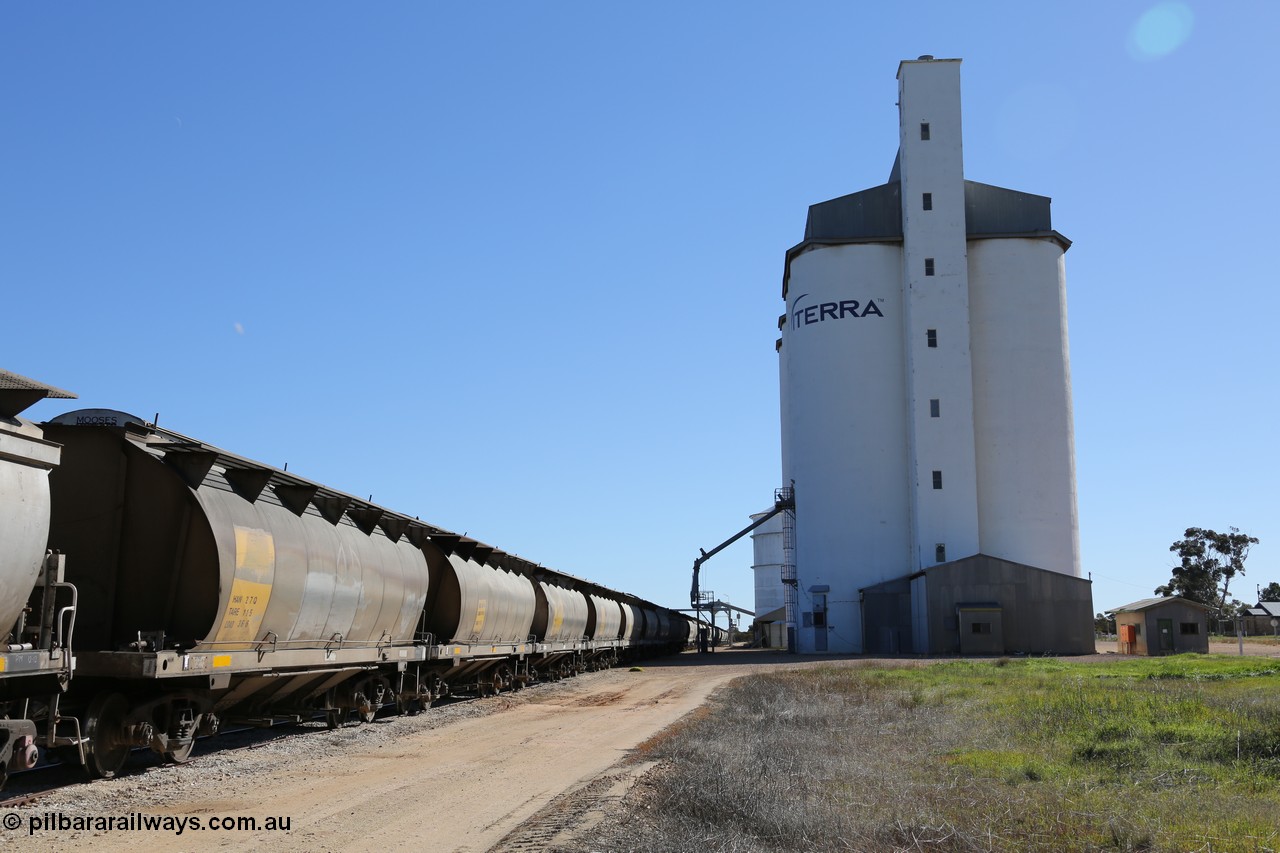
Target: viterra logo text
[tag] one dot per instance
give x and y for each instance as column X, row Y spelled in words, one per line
column 823, row 311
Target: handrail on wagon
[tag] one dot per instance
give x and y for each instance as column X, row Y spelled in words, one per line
column 277, row 645
column 66, row 614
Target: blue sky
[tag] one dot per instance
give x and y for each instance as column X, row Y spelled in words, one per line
column 515, row 268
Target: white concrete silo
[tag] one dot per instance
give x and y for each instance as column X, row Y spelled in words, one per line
column 1022, row 403
column 766, row 547
column 769, row 554
column 842, row 351
column 925, row 392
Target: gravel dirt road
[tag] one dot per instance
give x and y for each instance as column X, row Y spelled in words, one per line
column 515, row 772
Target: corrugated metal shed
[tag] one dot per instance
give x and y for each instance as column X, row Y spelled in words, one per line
column 1035, row 611
column 1258, row 619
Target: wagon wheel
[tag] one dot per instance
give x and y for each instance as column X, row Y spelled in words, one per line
column 108, row 745
column 332, row 717
column 179, row 751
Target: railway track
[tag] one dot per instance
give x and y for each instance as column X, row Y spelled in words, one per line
column 51, row 775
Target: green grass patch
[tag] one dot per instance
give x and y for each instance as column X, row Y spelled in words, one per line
column 1177, row 753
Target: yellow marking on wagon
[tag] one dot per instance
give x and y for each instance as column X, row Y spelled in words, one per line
column 250, row 587
column 221, row 660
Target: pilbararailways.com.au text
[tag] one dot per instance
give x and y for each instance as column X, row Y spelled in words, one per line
column 138, row 822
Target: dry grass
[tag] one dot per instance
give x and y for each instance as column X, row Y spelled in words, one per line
column 1021, row 755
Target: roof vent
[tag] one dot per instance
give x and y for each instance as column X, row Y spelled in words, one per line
column 927, row 56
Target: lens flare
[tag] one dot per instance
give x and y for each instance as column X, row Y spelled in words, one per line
column 1161, row 30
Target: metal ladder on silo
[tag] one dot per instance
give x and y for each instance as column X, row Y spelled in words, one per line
column 785, row 497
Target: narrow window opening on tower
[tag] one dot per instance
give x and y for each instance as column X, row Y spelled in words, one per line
column 937, row 479
column 940, row 554
column 924, row 131
column 928, row 201
column 932, row 336
column 928, row 266
column 935, row 408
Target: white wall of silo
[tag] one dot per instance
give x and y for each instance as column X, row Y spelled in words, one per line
column 1022, row 403
column 845, row 428
column 766, row 545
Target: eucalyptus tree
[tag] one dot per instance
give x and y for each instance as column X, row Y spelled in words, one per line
column 1209, row 561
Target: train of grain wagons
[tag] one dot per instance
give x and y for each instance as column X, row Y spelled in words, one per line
column 154, row 587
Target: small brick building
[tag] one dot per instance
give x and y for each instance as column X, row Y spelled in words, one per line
column 1162, row 626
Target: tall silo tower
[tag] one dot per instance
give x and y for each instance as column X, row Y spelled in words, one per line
column 926, row 403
